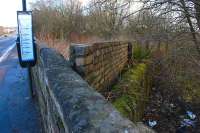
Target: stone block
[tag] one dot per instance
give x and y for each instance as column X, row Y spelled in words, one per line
column 81, row 49
column 81, row 61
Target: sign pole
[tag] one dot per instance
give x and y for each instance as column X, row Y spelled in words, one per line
column 29, row 67
column 30, row 82
column 24, row 5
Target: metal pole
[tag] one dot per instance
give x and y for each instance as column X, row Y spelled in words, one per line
column 24, row 5
column 29, row 68
column 30, row 82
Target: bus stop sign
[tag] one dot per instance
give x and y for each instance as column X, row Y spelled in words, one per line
column 26, row 46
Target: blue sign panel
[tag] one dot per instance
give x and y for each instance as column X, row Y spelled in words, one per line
column 25, row 42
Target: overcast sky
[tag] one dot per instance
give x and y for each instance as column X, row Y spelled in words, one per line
column 8, row 11
column 9, row 8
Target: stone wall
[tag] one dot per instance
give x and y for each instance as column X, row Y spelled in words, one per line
column 69, row 105
column 100, row 63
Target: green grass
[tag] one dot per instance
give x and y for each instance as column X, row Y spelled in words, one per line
column 131, row 91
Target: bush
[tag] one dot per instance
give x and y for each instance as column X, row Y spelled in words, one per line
column 140, row 53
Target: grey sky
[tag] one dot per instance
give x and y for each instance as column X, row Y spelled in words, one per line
column 8, row 9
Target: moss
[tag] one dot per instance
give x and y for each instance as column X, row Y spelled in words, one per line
column 122, row 105
column 131, row 91
column 138, row 73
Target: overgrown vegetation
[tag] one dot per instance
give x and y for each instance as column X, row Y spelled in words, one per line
column 165, row 58
column 175, row 90
column 131, row 93
column 140, row 53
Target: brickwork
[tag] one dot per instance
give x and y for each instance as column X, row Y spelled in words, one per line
column 99, row 63
column 69, row 105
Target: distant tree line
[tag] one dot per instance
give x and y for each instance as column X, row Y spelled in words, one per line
column 1, row 30
column 157, row 20
column 103, row 18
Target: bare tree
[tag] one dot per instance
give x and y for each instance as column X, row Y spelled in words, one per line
column 57, row 18
column 182, row 11
column 107, row 16
column 197, row 11
column 149, row 27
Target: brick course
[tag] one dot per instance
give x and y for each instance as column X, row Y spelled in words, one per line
column 99, row 63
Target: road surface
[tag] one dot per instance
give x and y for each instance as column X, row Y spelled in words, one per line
column 18, row 111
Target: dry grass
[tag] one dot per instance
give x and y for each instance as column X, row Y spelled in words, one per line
column 62, row 45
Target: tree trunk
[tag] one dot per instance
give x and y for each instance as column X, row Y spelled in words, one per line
column 192, row 30
column 197, row 11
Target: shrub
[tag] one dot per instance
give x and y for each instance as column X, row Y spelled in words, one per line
column 140, row 53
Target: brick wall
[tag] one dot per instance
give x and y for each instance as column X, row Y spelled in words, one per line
column 69, row 105
column 99, row 63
